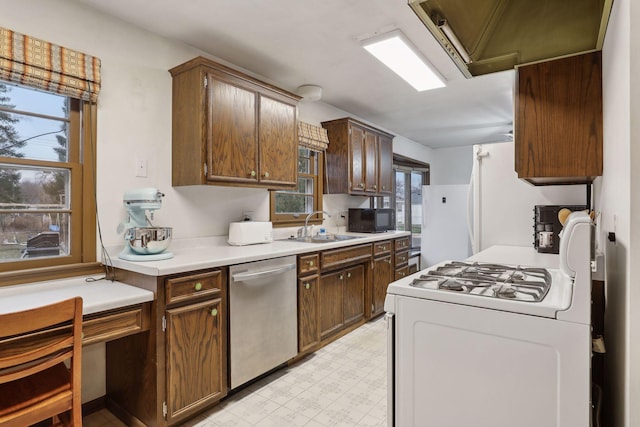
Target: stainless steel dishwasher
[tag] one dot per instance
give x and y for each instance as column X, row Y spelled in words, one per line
column 263, row 331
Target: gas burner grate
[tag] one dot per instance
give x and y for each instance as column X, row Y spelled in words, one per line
column 526, row 284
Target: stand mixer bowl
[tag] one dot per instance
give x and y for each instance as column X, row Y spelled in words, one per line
column 148, row 240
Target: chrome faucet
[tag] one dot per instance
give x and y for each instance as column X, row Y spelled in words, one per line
column 306, row 221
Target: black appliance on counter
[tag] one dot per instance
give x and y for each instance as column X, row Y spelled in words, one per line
column 547, row 227
column 371, row 220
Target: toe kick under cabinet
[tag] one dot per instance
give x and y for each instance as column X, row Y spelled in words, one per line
column 178, row 368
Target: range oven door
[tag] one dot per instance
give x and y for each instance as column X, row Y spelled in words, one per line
column 457, row 365
column 390, row 321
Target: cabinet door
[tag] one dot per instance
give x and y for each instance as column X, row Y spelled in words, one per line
column 558, row 120
column 278, row 142
column 371, row 162
column 331, row 313
column 353, row 294
column 356, row 165
column 382, row 276
column 308, row 320
column 232, row 137
column 195, row 357
column 385, row 164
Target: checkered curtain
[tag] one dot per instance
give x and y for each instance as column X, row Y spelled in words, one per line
column 42, row 65
column 312, row 137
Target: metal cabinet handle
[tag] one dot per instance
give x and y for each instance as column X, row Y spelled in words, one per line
column 266, row 174
column 348, row 275
column 384, row 187
column 388, row 261
column 361, row 185
column 375, row 187
column 341, row 276
column 198, row 286
column 214, row 312
column 252, row 173
column 311, row 263
column 307, row 286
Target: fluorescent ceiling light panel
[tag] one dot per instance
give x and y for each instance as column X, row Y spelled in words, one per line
column 394, row 50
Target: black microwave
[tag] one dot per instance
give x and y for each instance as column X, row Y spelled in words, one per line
column 371, row 220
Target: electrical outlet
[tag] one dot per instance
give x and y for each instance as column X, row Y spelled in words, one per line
column 141, row 168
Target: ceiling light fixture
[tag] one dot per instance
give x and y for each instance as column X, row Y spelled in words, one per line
column 310, row 92
column 395, row 51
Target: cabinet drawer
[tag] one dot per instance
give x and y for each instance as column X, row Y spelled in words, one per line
column 114, row 325
column 401, row 259
column 402, row 272
column 402, row 243
column 381, row 248
column 194, row 286
column 345, row 256
column 308, row 264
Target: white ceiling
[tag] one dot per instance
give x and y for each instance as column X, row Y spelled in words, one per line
column 297, row 42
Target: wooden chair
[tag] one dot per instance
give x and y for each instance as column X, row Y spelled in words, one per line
column 35, row 383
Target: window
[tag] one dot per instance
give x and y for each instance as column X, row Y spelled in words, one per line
column 47, row 201
column 409, row 177
column 291, row 207
column 408, row 203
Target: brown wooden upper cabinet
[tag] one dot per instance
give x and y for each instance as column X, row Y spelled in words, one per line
column 359, row 159
column 558, row 122
column 231, row 129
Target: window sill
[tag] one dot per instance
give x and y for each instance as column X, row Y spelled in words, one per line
column 49, row 273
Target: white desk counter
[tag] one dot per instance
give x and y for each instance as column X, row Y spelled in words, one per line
column 97, row 296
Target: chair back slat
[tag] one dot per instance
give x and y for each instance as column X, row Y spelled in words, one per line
column 33, row 346
column 37, row 318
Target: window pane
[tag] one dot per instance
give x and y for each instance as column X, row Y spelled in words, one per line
column 33, row 235
column 304, row 165
column 34, row 101
column 33, row 188
column 293, row 203
column 400, row 201
column 416, row 209
column 30, row 137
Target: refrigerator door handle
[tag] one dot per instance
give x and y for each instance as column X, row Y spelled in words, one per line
column 390, row 321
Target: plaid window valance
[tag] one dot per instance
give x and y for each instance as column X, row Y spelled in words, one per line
column 43, row 65
column 312, row 137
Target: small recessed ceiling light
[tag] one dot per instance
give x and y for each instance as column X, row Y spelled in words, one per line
column 396, row 52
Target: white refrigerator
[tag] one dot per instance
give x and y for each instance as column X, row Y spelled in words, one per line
column 495, row 208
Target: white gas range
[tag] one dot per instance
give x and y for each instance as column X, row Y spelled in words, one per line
column 494, row 344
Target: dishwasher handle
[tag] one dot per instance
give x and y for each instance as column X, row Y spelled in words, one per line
column 252, row 275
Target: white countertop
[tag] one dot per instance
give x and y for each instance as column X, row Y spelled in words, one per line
column 100, row 295
column 196, row 254
column 517, row 255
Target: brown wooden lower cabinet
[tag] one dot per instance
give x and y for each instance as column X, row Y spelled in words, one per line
column 383, row 274
column 194, row 357
column 341, row 299
column 353, row 294
column 308, row 313
column 177, row 368
column 330, row 303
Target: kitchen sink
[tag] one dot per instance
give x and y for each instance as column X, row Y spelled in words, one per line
column 327, row 238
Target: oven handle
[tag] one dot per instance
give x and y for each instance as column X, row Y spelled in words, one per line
column 390, row 321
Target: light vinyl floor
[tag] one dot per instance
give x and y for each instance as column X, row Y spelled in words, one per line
column 342, row 384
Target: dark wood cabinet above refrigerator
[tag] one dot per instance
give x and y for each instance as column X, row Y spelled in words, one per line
column 558, row 121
